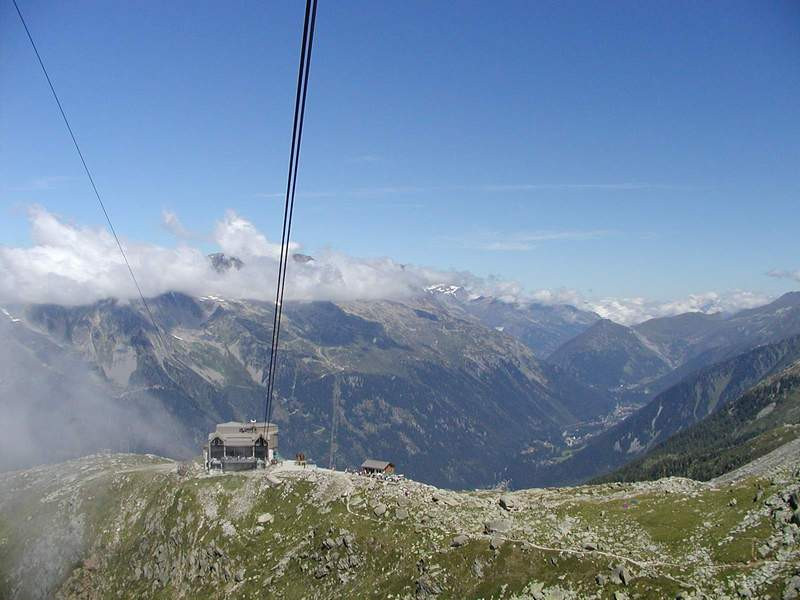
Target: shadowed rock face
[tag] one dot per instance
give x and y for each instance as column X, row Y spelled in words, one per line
column 447, row 399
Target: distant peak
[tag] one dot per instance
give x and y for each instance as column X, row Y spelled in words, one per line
column 223, row 263
column 302, row 258
column 442, row 288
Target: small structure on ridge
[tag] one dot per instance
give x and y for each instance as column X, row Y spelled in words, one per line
column 371, row 467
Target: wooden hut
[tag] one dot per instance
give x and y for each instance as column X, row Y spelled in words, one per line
column 371, row 466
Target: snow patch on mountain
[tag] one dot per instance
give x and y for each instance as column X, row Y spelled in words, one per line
column 441, row 288
column 6, row 313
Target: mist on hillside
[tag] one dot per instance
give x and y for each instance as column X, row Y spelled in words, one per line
column 53, row 407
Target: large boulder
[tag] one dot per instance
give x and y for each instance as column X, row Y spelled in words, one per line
column 265, row 518
column 497, row 526
column 621, row 575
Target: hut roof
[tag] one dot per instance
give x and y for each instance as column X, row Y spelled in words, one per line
column 235, row 433
column 379, row 465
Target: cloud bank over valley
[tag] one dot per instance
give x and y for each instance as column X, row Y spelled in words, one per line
column 72, row 264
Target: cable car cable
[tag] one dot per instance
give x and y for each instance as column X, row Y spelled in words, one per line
column 291, row 185
column 89, row 175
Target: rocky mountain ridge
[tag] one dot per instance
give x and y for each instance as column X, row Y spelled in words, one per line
column 135, row 526
column 443, row 395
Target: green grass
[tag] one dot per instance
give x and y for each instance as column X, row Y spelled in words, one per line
column 164, row 510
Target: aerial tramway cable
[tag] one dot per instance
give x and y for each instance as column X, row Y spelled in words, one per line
column 291, row 185
column 91, row 179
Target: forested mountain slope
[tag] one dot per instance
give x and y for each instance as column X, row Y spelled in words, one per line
column 679, row 407
column 760, row 420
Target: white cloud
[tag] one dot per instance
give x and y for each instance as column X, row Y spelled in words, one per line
column 785, row 274
column 173, row 224
column 70, row 264
column 629, row 311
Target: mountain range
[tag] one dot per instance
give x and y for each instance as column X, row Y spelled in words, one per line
column 716, row 364
column 456, row 389
column 637, row 362
column 436, row 392
column 762, row 419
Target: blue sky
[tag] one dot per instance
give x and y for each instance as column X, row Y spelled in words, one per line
column 617, row 149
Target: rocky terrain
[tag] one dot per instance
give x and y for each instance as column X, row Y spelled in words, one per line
column 135, row 526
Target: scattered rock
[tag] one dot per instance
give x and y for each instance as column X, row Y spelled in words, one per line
column 620, row 575
column 265, row 518
column 600, row 579
column 620, row 596
column 506, row 502
column 401, row 513
column 379, row 509
column 459, row 541
column 477, row 568
column 792, row 589
column 426, row 587
column 497, row 526
column 496, row 542
column 228, row 530
column 90, row 564
column 732, row 502
column 591, row 546
column 321, row 571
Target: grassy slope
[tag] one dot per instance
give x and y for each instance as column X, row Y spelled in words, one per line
column 128, row 527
